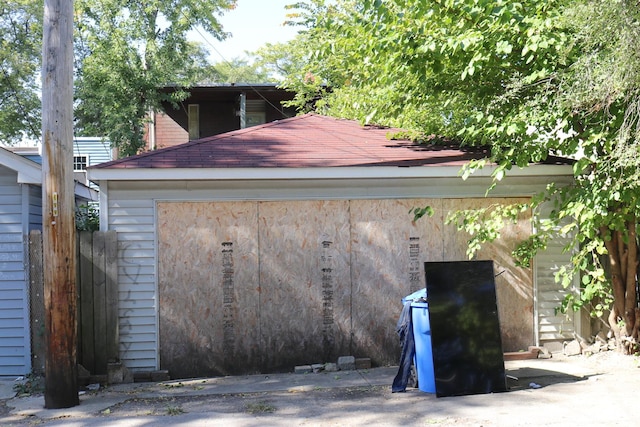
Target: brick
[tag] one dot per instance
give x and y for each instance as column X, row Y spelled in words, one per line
column 363, row 363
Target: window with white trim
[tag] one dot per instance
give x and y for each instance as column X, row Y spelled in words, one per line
column 80, row 163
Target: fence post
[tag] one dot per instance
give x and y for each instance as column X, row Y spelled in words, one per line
column 85, row 267
column 36, row 301
column 111, row 282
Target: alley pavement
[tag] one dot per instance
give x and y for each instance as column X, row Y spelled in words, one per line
column 553, row 392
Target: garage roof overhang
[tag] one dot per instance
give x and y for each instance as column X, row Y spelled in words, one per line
column 328, row 173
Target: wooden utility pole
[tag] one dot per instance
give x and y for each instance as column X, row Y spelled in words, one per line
column 58, row 213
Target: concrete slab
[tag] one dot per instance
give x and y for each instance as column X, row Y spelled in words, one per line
column 355, row 398
column 6, row 387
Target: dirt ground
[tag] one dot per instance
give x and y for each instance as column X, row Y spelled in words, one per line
column 559, row 392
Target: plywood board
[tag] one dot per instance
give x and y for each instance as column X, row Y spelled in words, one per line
column 388, row 251
column 265, row 286
column 514, row 285
column 208, row 287
column 304, row 282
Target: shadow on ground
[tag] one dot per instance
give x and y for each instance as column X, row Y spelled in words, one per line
column 524, row 378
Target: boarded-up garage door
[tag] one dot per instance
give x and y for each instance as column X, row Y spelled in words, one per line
column 264, row 286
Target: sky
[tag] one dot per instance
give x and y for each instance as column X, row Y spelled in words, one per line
column 252, row 23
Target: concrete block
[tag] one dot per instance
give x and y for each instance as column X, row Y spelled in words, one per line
column 363, row 363
column 117, row 373
column 141, row 376
column 330, row 367
column 303, row 369
column 317, row 367
column 571, row 348
column 346, row 363
column 158, row 376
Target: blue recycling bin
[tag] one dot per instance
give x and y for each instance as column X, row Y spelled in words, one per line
column 424, row 355
column 423, row 360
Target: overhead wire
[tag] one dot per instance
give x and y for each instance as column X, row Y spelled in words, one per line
column 255, row 89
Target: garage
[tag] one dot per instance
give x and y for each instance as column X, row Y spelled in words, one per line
column 292, row 243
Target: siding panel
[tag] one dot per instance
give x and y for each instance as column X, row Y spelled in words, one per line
column 13, row 303
column 134, row 222
column 552, row 326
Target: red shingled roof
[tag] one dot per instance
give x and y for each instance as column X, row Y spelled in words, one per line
column 306, row 141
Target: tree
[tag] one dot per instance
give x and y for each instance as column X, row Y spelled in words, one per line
column 238, row 71
column 531, row 79
column 279, row 59
column 20, row 55
column 127, row 50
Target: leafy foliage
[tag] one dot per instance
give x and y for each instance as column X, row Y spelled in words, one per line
column 532, row 79
column 20, row 52
column 126, row 51
column 238, row 71
column 88, row 217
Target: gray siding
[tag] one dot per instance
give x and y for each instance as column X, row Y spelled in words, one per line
column 14, row 314
column 97, row 149
column 35, row 207
column 131, row 212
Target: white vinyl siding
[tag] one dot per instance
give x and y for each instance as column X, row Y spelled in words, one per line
column 134, row 222
column 552, row 326
column 14, row 314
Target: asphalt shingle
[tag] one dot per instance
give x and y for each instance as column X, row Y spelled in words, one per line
column 306, row 141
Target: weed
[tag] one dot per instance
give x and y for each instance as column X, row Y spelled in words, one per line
column 173, row 385
column 259, row 408
column 174, row 410
column 31, row 384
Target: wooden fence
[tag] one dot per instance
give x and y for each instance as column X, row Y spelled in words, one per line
column 97, row 300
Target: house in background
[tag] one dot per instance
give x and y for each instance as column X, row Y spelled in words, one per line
column 291, row 243
column 87, row 151
column 213, row 109
column 20, row 213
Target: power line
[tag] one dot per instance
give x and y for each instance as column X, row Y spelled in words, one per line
column 253, row 88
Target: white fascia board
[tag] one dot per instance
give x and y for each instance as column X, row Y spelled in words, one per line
column 369, row 172
column 29, row 172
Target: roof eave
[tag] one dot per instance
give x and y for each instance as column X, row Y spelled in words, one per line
column 29, row 172
column 182, row 174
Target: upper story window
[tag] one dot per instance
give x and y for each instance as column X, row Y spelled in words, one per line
column 255, row 113
column 80, row 163
column 194, row 121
